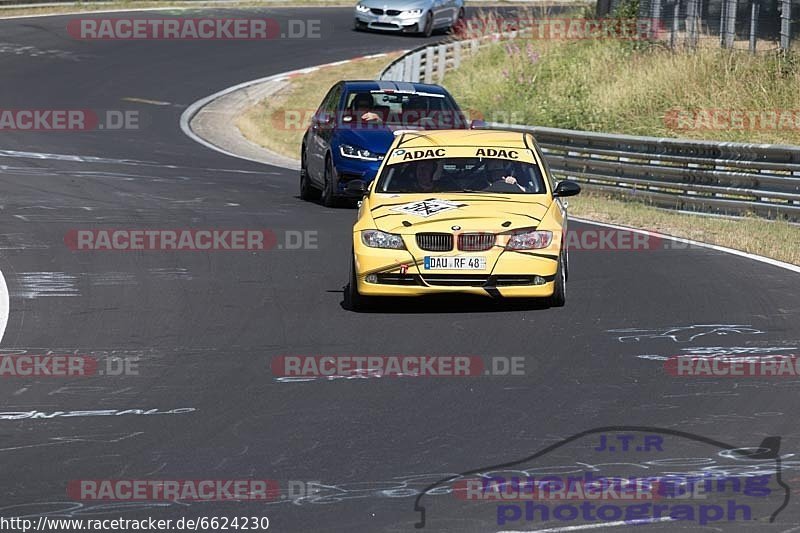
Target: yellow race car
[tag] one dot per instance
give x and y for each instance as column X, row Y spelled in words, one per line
column 466, row 211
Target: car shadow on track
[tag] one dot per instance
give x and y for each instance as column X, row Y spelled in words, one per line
column 447, row 304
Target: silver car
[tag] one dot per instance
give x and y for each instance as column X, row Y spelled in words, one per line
column 410, row 16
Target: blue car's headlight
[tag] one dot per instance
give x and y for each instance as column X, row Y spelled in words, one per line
column 361, row 8
column 411, row 13
column 380, row 239
column 354, row 152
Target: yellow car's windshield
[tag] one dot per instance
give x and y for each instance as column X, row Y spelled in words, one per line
column 462, row 174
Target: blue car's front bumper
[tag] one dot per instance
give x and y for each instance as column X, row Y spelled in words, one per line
column 349, row 169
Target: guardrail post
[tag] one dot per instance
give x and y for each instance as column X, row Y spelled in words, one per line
column 457, row 54
column 407, row 68
column 753, row 26
column 692, row 22
column 415, row 68
column 676, row 13
column 786, row 24
column 429, row 64
column 442, row 56
column 728, row 23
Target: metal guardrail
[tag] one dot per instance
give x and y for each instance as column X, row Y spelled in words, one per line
column 739, row 178
column 428, row 64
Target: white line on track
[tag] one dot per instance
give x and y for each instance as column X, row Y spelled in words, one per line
column 5, row 305
column 754, row 257
column 193, row 109
column 594, row 526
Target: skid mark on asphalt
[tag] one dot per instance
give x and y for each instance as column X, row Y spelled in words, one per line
column 727, row 351
column 32, row 285
column 170, row 274
column 43, row 415
column 21, row 154
column 685, row 333
column 32, row 51
column 45, row 284
column 19, row 241
column 111, row 279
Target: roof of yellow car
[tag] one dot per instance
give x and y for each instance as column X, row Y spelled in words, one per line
column 424, row 139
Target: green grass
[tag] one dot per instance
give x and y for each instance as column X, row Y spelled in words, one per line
column 624, row 87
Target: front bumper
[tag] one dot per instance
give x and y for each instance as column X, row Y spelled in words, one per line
column 508, row 274
column 348, row 169
column 390, row 23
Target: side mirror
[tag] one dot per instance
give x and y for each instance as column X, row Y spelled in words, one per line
column 566, row 188
column 322, row 120
column 356, row 187
column 477, row 124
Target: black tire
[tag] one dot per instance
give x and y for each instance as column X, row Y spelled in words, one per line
column 307, row 191
column 358, row 26
column 559, row 297
column 354, row 300
column 328, row 199
column 457, row 27
column 427, row 30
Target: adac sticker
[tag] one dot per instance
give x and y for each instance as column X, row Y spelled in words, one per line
column 427, row 208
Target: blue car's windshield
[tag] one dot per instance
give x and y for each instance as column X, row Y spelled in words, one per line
column 396, row 108
column 462, row 174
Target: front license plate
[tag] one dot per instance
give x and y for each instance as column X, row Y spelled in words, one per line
column 454, row 263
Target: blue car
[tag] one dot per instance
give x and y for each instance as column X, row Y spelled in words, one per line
column 355, row 124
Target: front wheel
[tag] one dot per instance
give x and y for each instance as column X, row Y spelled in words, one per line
column 328, row 199
column 306, row 190
column 427, row 30
column 354, row 300
column 559, row 297
column 459, row 23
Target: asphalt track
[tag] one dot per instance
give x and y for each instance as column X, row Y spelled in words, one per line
column 205, row 325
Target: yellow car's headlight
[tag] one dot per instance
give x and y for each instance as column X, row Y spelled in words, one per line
column 527, row 239
column 380, row 239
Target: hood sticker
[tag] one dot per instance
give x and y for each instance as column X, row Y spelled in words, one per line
column 427, row 208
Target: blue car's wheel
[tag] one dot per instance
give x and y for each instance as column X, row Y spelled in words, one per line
column 328, row 198
column 307, row 191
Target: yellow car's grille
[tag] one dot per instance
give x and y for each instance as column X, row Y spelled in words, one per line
column 475, row 242
column 435, row 242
